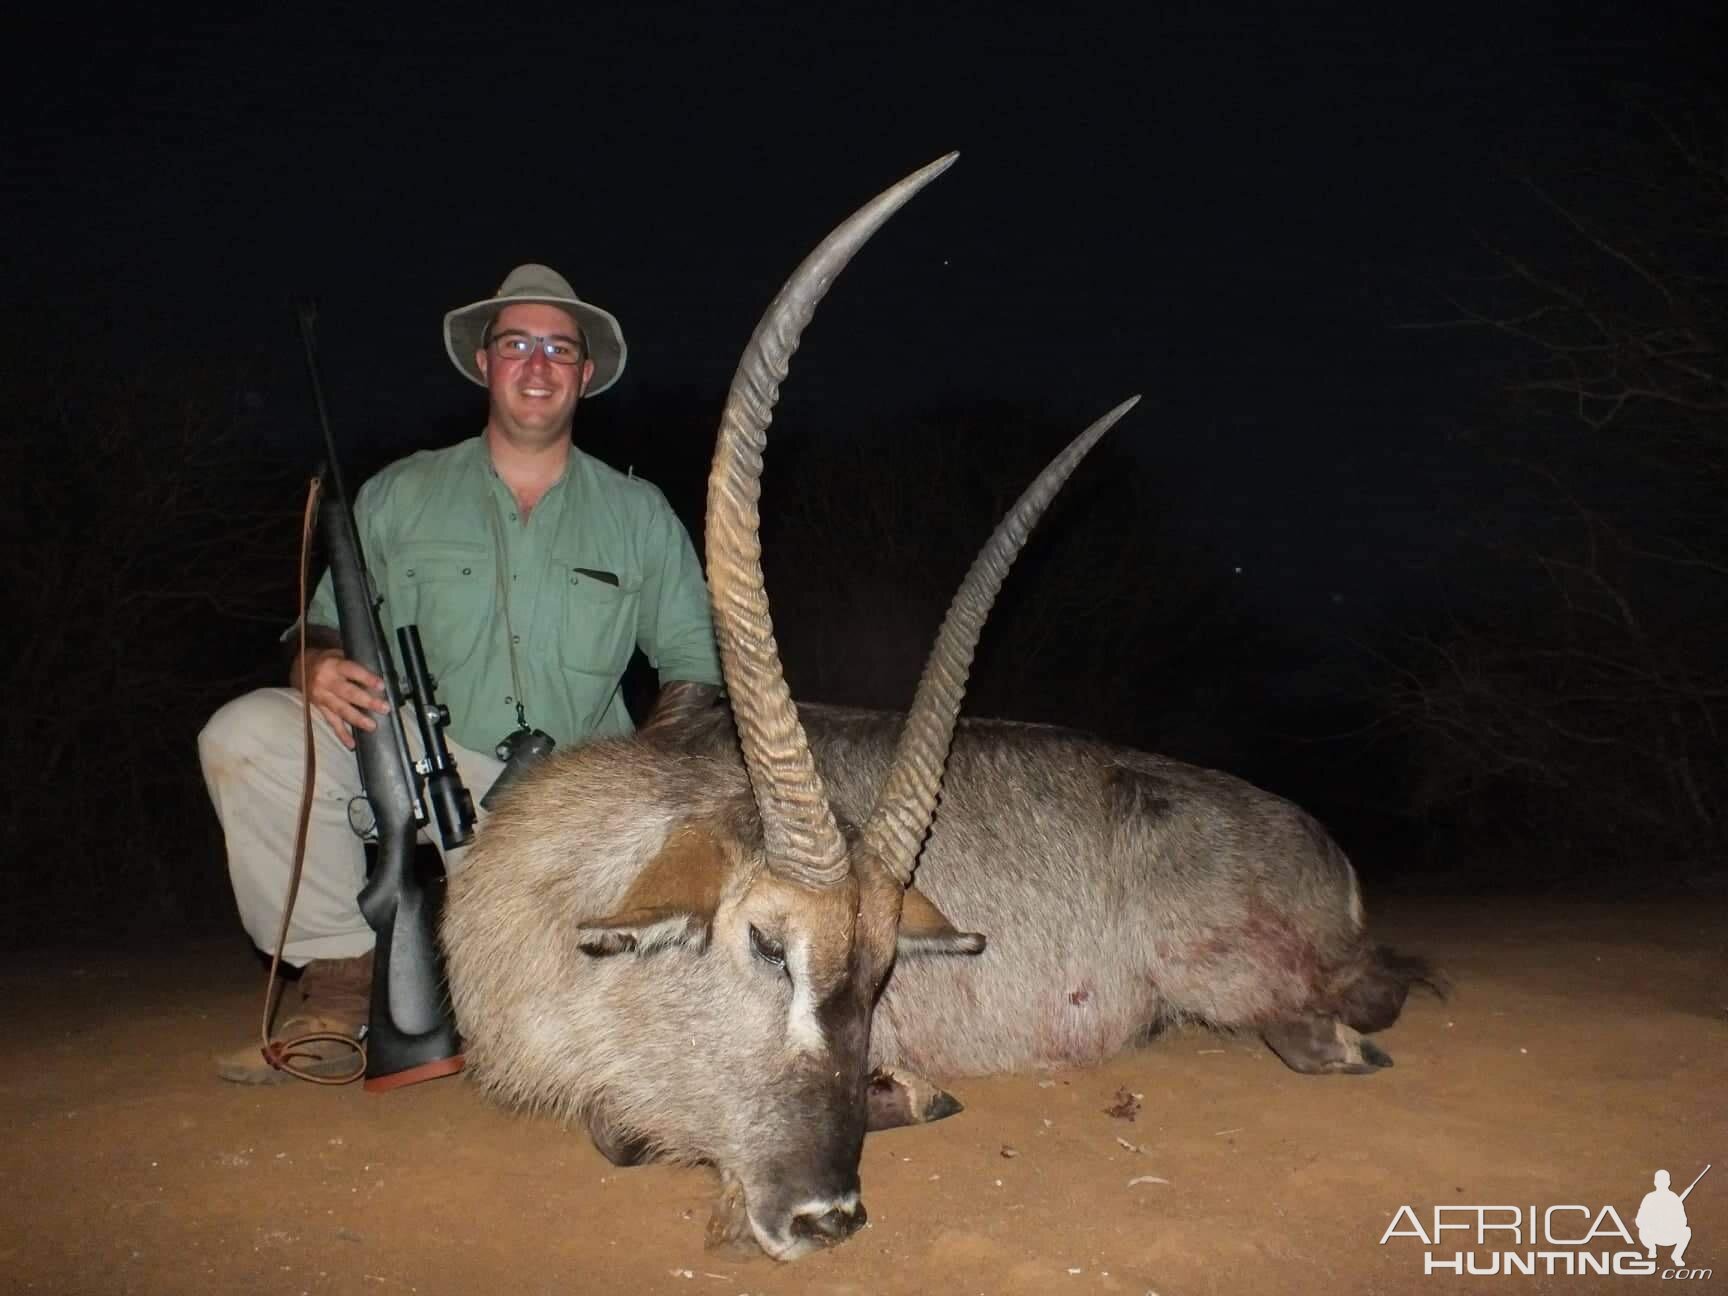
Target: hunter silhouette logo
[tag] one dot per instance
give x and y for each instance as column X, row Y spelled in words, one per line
column 1566, row 1240
column 1661, row 1218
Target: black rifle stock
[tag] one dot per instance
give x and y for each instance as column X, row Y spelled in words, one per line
column 412, row 1035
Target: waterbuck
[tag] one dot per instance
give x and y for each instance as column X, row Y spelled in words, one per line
column 702, row 958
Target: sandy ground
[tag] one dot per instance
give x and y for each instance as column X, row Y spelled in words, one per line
column 1585, row 1047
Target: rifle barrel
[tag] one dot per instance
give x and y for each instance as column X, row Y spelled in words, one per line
column 1694, row 1183
column 307, row 310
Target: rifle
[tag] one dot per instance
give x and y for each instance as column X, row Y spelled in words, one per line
column 411, row 1035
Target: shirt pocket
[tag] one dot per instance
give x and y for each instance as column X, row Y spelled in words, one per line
column 448, row 590
column 598, row 629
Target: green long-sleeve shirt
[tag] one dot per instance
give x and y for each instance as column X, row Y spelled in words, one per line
column 600, row 567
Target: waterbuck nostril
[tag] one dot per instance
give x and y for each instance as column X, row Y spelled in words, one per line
column 830, row 1226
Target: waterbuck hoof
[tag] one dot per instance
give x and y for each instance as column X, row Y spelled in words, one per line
column 894, row 1098
column 943, row 1104
column 1324, row 1046
column 728, row 1228
column 1375, row 1056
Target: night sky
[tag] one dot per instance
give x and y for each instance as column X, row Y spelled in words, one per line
column 1230, row 208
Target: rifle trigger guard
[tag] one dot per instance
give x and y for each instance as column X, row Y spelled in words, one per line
column 362, row 820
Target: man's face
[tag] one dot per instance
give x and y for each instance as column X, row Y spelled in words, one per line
column 534, row 397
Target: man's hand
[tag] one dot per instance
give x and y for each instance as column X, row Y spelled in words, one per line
column 344, row 691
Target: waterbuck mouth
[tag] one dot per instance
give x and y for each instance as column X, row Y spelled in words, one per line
column 809, row 1226
column 812, row 1227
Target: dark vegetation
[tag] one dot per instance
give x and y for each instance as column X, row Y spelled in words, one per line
column 1556, row 720
column 1570, row 715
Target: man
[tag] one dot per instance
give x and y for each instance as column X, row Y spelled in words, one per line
column 1661, row 1218
column 533, row 572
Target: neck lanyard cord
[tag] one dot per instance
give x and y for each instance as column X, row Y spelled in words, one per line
column 504, row 604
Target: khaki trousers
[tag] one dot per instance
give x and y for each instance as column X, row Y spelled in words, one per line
column 253, row 754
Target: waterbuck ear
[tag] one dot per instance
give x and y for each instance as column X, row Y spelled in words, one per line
column 671, row 903
column 925, row 929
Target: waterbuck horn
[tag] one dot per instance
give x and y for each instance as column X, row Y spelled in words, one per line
column 896, row 827
column 803, row 841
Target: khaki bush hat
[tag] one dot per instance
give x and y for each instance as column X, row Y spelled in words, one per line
column 465, row 326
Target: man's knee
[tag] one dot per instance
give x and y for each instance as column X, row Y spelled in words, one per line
column 251, row 722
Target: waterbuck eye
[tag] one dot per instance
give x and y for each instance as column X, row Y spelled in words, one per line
column 767, row 949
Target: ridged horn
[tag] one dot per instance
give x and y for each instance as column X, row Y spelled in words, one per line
column 896, row 827
column 802, row 840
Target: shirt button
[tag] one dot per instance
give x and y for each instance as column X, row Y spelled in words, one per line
column 515, row 639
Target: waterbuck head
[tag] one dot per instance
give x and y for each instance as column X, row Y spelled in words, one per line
column 798, row 916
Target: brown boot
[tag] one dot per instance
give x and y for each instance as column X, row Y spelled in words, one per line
column 335, row 998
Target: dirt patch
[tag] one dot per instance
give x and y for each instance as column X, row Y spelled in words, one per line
column 1585, row 1047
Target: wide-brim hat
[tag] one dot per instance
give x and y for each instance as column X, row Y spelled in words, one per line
column 465, row 327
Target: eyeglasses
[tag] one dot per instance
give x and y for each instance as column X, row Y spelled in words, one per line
column 519, row 346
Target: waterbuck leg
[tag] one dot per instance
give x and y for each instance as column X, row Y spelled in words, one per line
column 1316, row 1045
column 897, row 1098
column 729, row 1223
column 617, row 1147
